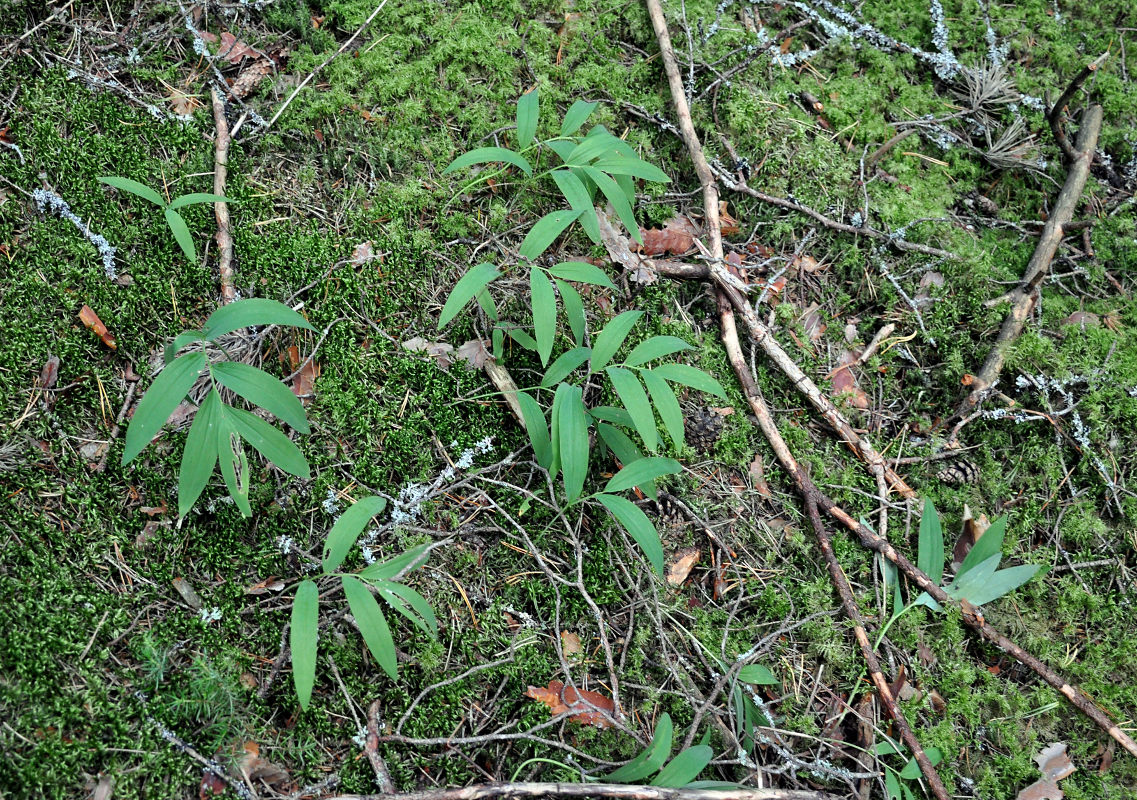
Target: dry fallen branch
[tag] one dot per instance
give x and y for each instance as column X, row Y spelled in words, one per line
column 220, row 172
column 1055, row 115
column 616, row 791
column 1022, row 298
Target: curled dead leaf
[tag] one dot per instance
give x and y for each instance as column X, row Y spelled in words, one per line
column 728, row 224
column 972, row 529
column 272, row 584
column 681, row 565
column 1055, row 765
column 570, row 643
column 439, row 351
column 89, row 318
column 758, row 476
column 474, row 352
column 845, row 383
column 587, row 707
column 304, row 384
column 676, row 237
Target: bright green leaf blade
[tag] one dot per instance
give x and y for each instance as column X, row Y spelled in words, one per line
column 159, row 402
column 182, row 234
column 653, row 348
column 637, row 524
column 200, row 454
column 892, row 785
column 627, row 186
column 528, row 108
column 685, row 767
column 180, row 341
column 617, row 416
column 645, row 470
column 536, row 428
column 577, row 115
column 930, row 557
column 347, row 529
column 574, row 309
column 523, row 339
column 597, row 143
column 372, row 624
column 134, row 187
column 619, row 443
column 470, row 284
column 302, row 636
column 608, row 341
column 392, row 568
column 651, row 759
column 579, row 200
column 562, row 147
column 632, row 394
column 484, row 155
column 566, row 362
column 633, row 167
column 999, row 584
column 757, row 674
column 251, row 311
column 487, row 304
column 544, row 300
column 261, row 389
column 231, row 456
column 667, row 404
column 618, row 199
column 198, row 197
column 545, row 231
column 425, row 618
column 886, row 748
column 270, row 443
column 911, row 770
column 690, row 376
column 572, row 431
column 989, row 544
column 581, row 272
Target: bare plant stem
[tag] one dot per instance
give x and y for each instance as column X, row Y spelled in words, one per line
column 221, row 210
column 615, row 791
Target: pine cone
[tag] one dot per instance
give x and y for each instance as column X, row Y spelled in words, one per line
column 958, row 473
column 703, row 429
column 667, row 510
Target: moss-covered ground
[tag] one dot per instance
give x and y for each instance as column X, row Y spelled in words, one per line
column 89, row 613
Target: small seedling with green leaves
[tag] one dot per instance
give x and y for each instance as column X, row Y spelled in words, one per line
column 218, row 429
column 380, row 578
column 177, row 225
column 896, row 781
column 596, row 163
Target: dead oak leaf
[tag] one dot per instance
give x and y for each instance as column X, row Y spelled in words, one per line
column 1055, row 765
column 439, row 351
column 587, row 707
column 676, row 237
column 680, row 566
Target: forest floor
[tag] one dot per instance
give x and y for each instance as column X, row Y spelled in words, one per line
column 130, row 637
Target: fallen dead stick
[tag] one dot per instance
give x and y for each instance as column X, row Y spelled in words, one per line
column 1022, row 298
column 221, row 210
column 1054, row 118
column 615, row 791
column 733, row 287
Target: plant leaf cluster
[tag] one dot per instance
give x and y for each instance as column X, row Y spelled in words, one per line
column 174, row 220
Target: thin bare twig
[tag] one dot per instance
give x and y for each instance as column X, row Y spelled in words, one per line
column 1055, row 115
column 221, row 209
column 371, row 747
column 615, row 791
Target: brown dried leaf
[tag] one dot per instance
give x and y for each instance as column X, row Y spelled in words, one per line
column 808, row 264
column 272, row 584
column 439, row 351
column 1053, row 762
column 93, row 323
column 727, row 224
column 620, row 251
column 474, row 352
column 304, row 384
column 972, row 530
column 211, row 785
column 363, row 252
column 584, row 705
column 182, row 103
column 1086, row 319
column 676, row 237
column 234, row 51
column 187, row 592
column 681, row 565
column 570, row 643
column 845, row 383
column 254, row 768
column 758, row 476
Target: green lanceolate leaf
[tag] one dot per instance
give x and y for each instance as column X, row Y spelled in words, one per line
column 392, row 568
column 544, row 300
column 572, row 431
column 135, row 188
column 302, row 635
column 690, row 376
column 483, row 155
column 400, row 597
column 181, row 233
column 597, row 143
column 200, row 454
column 637, row 525
column 608, row 341
column 180, row 341
column 261, row 389
column 633, row 167
column 347, row 529
column 251, row 311
column 574, row 309
column 159, row 402
column 632, row 394
column 269, row 442
column 757, row 674
column 653, row 348
column 617, row 197
column 625, row 451
column 545, row 231
column 989, row 544
column 372, row 624
column 642, row 471
column 983, row 584
column 577, row 115
column 197, row 197
column 930, row 557
column 911, row 770
column 617, row 416
column 470, row 284
column 580, row 272
column 566, row 362
column 667, row 404
column 537, row 429
column 523, row 339
column 562, row 147
column 231, row 456
column 579, row 200
column 685, row 767
column 651, row 759
column 528, row 109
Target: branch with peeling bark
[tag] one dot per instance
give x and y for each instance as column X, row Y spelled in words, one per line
column 221, row 209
